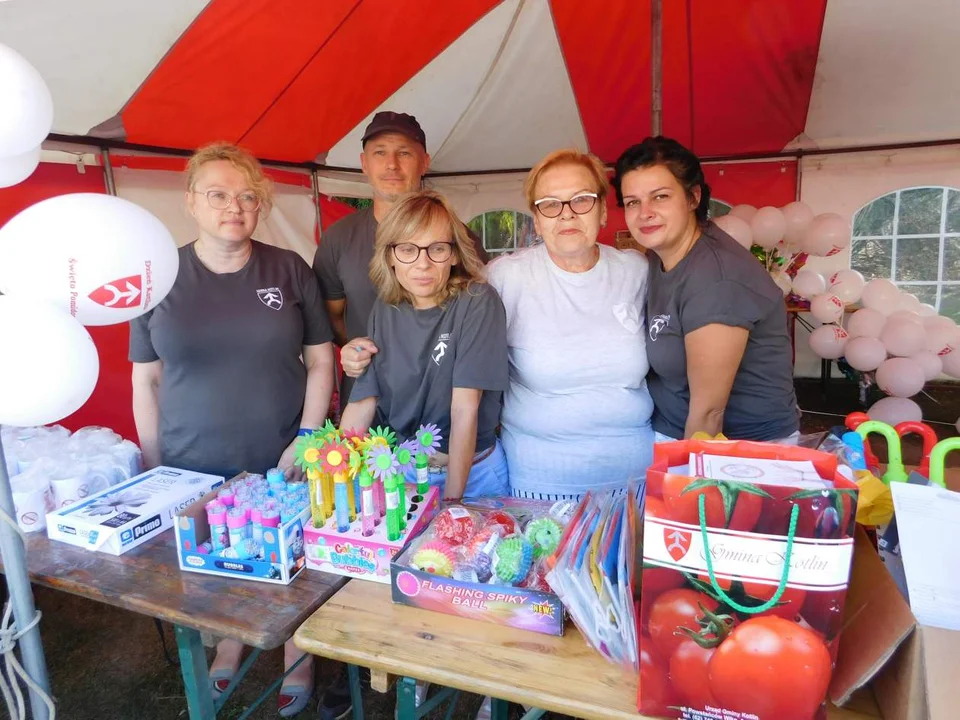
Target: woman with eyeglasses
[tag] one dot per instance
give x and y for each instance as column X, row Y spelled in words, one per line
column 440, row 331
column 577, row 413
column 236, row 359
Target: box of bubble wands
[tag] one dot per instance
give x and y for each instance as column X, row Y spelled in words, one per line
column 366, row 557
column 273, row 554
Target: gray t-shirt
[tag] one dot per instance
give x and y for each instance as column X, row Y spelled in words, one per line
column 342, row 265
column 233, row 382
column 424, row 354
column 721, row 282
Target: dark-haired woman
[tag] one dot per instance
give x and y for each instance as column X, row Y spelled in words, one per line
column 718, row 345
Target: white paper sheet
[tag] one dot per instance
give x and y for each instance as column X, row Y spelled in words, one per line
column 928, row 520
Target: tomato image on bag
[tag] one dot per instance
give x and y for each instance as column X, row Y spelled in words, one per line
column 742, row 587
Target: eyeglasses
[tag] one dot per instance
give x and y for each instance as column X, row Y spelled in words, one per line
column 221, row 200
column 409, row 253
column 552, row 207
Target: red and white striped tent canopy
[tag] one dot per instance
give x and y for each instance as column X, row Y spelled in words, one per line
column 496, row 84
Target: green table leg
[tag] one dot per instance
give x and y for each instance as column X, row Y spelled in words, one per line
column 499, row 709
column 356, row 695
column 406, row 698
column 193, row 665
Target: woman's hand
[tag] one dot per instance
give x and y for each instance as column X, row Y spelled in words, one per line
column 291, row 472
column 356, row 355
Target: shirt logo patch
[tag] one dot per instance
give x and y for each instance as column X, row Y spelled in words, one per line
column 658, row 325
column 271, row 297
column 440, row 349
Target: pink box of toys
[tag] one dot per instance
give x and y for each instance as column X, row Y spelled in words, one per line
column 484, row 560
column 346, row 550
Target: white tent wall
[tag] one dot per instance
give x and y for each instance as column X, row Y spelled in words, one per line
column 290, row 224
column 845, row 183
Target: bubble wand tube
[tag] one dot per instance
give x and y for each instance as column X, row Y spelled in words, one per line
column 426, row 443
column 369, row 518
column 342, row 503
column 393, row 508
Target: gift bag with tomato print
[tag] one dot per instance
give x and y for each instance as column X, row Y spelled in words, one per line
column 746, row 558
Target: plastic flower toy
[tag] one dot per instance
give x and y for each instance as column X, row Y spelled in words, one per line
column 352, row 436
column 382, row 435
column 335, row 458
column 381, row 462
column 307, row 452
column 354, row 462
column 329, row 432
column 404, row 455
column 428, row 439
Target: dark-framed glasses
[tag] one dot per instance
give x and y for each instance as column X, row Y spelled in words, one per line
column 221, row 200
column 409, row 253
column 580, row 204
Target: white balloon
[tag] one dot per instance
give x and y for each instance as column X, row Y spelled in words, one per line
column 929, row 362
column 909, row 301
column 768, row 227
column 865, row 353
column 798, row 217
column 808, row 284
column 48, row 366
column 881, row 295
column 846, row 285
column 903, row 336
column 866, row 323
column 737, row 228
column 895, row 410
column 783, row 282
column 905, row 315
column 828, row 341
column 26, row 107
column 900, row 377
column 942, row 339
column 17, row 168
column 846, row 275
column 938, row 320
column 103, row 259
column 744, row 212
column 827, row 235
column 951, row 363
column 827, row 308
column 927, row 310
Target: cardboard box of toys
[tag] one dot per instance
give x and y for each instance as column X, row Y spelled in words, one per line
column 484, row 560
column 346, row 550
column 249, row 528
column 912, row 668
column 128, row 514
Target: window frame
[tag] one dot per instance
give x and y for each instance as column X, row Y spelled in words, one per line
column 498, row 251
column 895, row 236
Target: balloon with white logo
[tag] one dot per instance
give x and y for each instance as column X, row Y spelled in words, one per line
column 49, row 364
column 951, row 364
column 903, row 336
column 827, row 308
column 929, row 362
column 942, row 338
column 828, row 341
column 26, row 107
column 103, row 259
column 900, row 377
column 809, row 283
column 17, row 168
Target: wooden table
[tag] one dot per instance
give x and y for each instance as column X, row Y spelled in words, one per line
column 360, row 625
column 149, row 581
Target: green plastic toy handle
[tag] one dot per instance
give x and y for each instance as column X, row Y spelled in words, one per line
column 937, row 457
column 896, row 472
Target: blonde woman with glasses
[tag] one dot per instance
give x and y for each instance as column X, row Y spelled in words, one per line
column 236, row 359
column 440, row 333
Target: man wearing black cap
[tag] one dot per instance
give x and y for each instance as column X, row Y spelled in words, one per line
column 394, row 159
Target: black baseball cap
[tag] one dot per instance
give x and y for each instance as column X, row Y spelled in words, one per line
column 395, row 122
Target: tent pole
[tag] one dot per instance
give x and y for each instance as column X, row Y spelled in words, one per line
column 656, row 67
column 21, row 596
column 107, row 171
column 315, row 187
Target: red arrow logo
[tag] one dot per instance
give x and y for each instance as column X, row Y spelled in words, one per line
column 122, row 294
column 677, row 541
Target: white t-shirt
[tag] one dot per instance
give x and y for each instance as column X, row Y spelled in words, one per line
column 577, row 413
